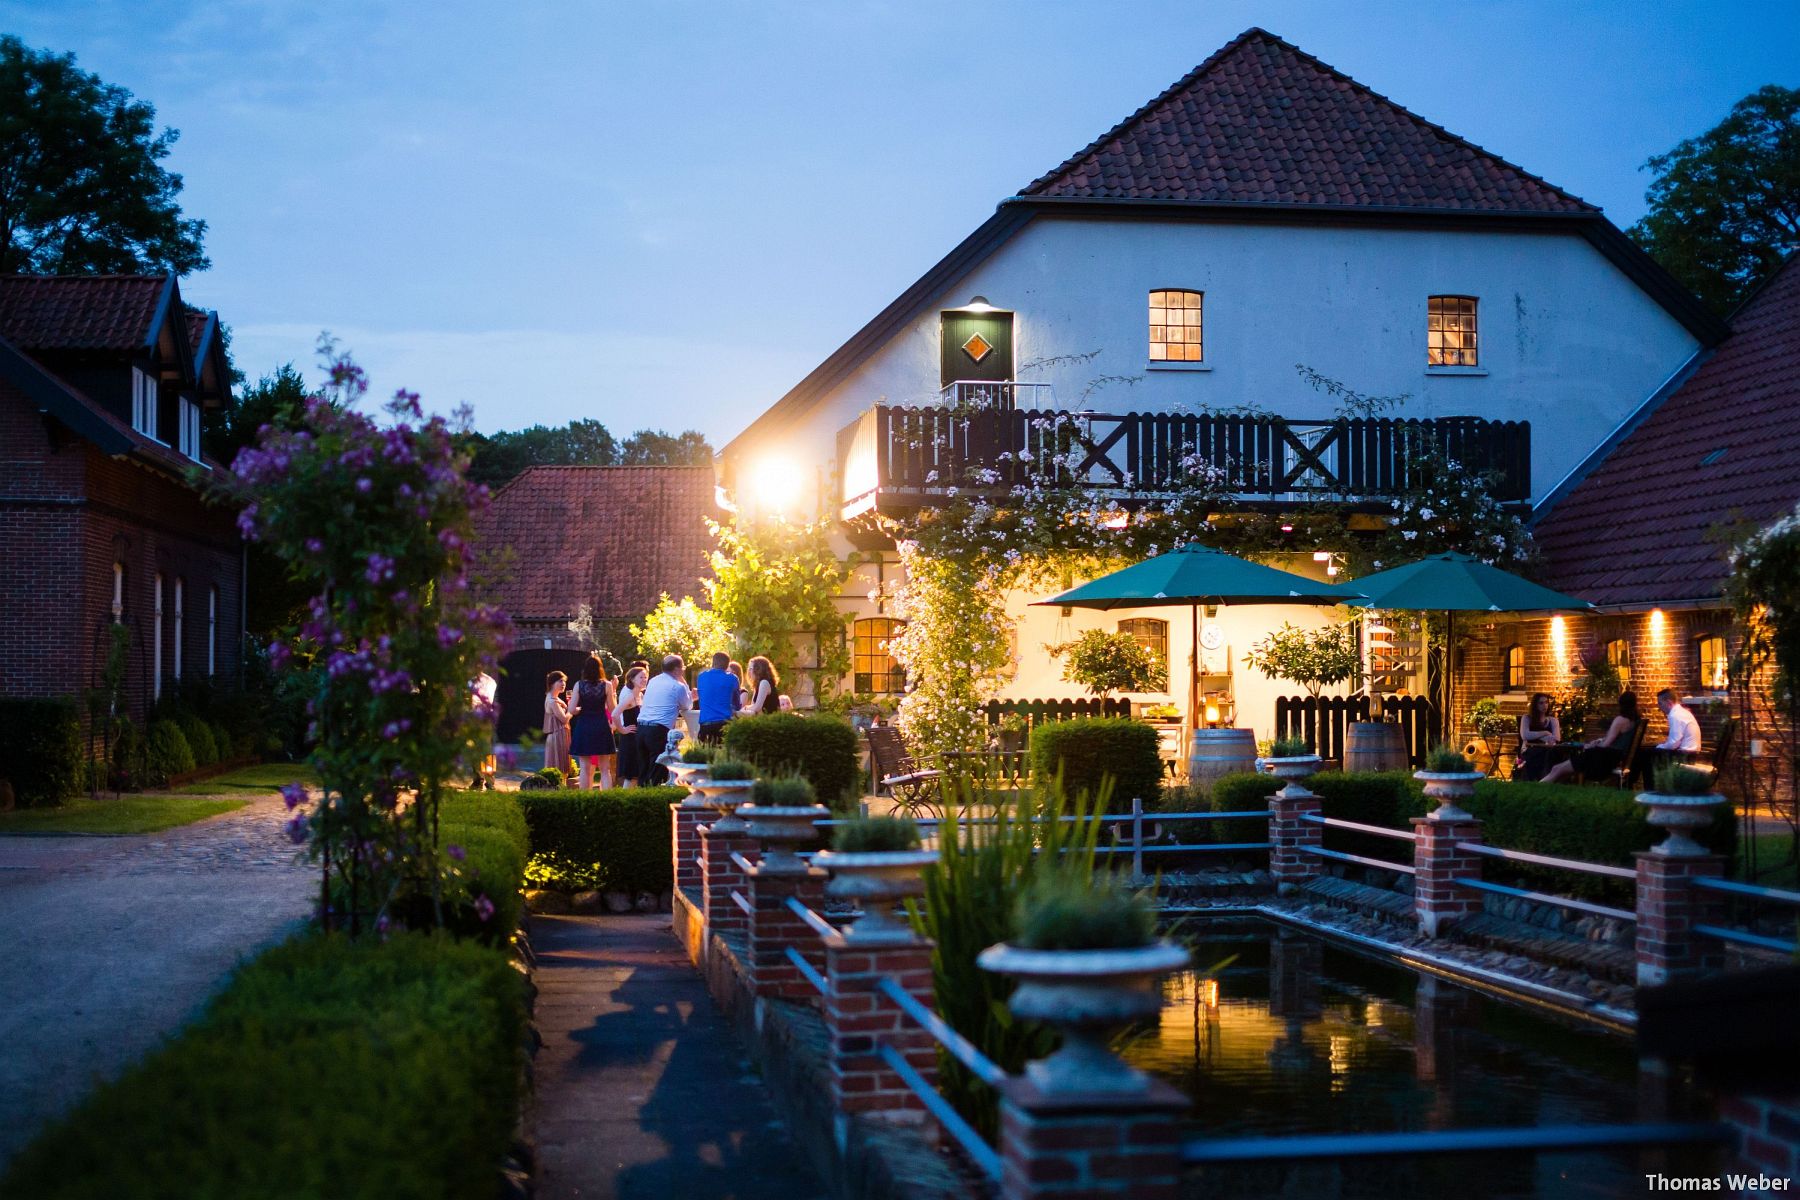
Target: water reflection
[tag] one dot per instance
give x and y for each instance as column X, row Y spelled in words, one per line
column 1295, row 1036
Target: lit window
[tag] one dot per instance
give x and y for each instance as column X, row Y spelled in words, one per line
column 143, row 401
column 1618, row 653
column 1450, row 332
column 1150, row 633
column 1175, row 326
column 180, row 588
column 212, row 631
column 1714, row 666
column 876, row 671
column 156, row 623
column 118, row 600
column 1514, row 663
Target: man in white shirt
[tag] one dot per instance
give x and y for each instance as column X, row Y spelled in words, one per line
column 1683, row 742
column 665, row 701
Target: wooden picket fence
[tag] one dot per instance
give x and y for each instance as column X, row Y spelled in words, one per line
column 1035, row 711
column 1324, row 720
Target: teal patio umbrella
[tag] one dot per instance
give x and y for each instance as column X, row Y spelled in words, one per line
column 1194, row 575
column 1453, row 583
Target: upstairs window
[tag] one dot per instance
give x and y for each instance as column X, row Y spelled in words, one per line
column 118, row 596
column 1175, row 326
column 143, row 401
column 877, row 672
column 1450, row 336
column 1513, row 667
column 189, row 444
column 1618, row 653
column 1709, row 656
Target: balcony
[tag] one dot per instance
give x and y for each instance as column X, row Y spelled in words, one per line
column 896, row 460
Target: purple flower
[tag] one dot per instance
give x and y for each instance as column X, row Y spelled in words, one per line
column 484, row 908
column 295, row 828
column 456, row 852
column 365, row 485
column 294, row 794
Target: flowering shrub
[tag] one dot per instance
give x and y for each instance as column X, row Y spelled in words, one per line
column 681, row 627
column 1765, row 588
column 374, row 518
column 1112, row 662
column 774, row 578
column 1450, row 508
column 1311, row 658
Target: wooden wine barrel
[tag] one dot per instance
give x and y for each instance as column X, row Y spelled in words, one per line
column 1375, row 746
column 1220, row 752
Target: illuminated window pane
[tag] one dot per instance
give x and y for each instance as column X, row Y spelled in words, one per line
column 1150, row 633
column 1450, row 334
column 1713, row 663
column 1515, row 668
column 1618, row 653
column 1175, row 325
column 874, row 667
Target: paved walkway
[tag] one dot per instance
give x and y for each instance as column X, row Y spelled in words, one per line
column 109, row 944
column 643, row 1093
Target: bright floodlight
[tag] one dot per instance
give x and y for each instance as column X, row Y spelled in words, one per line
column 775, row 482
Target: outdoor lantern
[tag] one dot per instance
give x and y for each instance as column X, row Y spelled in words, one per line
column 1212, row 715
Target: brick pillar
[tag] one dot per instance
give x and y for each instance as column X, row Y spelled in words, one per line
column 774, row 927
column 1090, row 1146
column 685, row 820
column 719, row 876
column 1668, row 908
column 1289, row 834
column 1437, row 863
column 1768, row 1142
column 859, row 1018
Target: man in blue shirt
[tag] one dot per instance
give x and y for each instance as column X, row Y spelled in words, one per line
column 718, row 690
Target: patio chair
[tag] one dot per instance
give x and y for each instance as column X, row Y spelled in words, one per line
column 1721, row 749
column 1629, row 766
column 915, row 790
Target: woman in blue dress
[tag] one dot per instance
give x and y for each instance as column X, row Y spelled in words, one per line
column 590, row 730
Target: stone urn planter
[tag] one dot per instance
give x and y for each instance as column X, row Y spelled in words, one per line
column 686, row 774
column 782, row 829
column 1086, row 995
column 1449, row 788
column 1677, row 815
column 725, row 795
column 1294, row 772
column 878, row 881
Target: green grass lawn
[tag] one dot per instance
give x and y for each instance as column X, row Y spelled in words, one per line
column 263, row 777
column 128, row 814
column 1774, row 866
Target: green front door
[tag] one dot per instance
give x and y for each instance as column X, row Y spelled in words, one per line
column 976, row 346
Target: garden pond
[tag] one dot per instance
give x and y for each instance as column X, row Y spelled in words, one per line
column 1278, row 1033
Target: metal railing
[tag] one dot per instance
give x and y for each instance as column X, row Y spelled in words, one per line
column 997, row 393
column 1305, row 1147
column 1742, row 937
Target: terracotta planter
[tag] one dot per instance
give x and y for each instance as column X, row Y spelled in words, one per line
column 725, row 795
column 781, row 829
column 1677, row 815
column 1086, row 995
column 878, row 882
column 1447, row 788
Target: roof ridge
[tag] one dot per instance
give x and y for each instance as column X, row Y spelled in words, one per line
column 1255, row 33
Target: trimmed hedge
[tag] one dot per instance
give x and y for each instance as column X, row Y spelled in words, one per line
column 327, row 1067
column 489, row 831
column 1088, row 750
column 821, row 749
column 40, row 750
column 166, row 752
column 1588, row 824
column 613, row 840
column 200, row 740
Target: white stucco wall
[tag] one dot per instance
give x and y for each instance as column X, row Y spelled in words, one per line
column 1567, row 341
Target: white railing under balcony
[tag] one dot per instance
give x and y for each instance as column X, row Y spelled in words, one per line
column 1000, row 393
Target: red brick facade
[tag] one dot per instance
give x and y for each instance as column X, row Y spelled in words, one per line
column 68, row 513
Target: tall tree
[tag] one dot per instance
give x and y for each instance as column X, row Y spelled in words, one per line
column 276, row 400
column 498, row 457
column 654, row 448
column 82, row 187
column 1725, row 206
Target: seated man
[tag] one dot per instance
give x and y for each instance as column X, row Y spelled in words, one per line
column 1683, row 742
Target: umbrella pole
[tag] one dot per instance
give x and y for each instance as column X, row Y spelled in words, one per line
column 1450, row 730
column 1194, row 711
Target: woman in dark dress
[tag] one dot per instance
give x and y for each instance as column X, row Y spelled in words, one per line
column 1600, row 757
column 625, row 724
column 590, row 732
column 764, row 687
column 1539, row 732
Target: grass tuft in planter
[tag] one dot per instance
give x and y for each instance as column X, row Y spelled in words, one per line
column 1675, row 779
column 876, row 835
column 728, row 770
column 1448, row 760
column 1073, row 911
column 1289, row 747
column 698, row 752
column 791, row 792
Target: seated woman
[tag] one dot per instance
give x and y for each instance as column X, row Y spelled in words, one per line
column 1539, row 732
column 1601, row 756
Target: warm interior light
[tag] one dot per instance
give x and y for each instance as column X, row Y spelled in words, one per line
column 1287, row 527
column 1212, row 715
column 1323, row 556
column 1559, row 642
column 775, row 482
column 1209, row 992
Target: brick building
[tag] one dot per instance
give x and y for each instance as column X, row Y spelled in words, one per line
column 1642, row 529
column 103, row 518
column 613, row 538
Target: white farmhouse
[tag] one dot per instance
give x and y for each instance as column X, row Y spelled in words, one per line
column 1263, row 214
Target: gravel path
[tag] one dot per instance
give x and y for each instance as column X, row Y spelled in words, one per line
column 107, row 945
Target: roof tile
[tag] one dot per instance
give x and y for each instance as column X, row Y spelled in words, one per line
column 80, row 312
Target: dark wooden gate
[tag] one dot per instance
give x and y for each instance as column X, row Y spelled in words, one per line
column 521, row 693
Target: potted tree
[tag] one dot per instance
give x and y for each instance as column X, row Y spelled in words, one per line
column 1494, row 728
column 1449, row 777
column 1088, row 961
column 1104, row 663
column 876, row 862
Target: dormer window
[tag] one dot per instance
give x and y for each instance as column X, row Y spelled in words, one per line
column 143, row 401
column 190, row 429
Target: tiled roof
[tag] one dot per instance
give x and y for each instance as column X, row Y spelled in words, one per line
column 614, row 537
column 81, row 312
column 1644, row 527
column 1263, row 122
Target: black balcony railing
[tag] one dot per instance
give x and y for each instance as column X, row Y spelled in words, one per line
column 906, row 457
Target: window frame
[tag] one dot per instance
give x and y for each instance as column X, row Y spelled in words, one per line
column 1468, row 354
column 144, row 397
column 1512, row 667
column 1624, row 668
column 212, row 631
column 1721, row 660
column 893, row 676
column 156, row 639
column 1154, row 637
column 180, row 615
column 1152, row 327
column 118, row 592
column 189, row 429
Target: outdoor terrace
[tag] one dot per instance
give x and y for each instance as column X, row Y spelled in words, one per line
column 899, row 459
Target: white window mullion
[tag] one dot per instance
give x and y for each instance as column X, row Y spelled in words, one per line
column 212, row 631
column 156, row 657
column 180, row 588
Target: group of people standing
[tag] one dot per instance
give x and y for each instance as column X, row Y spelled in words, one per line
column 615, row 733
column 1545, row 757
